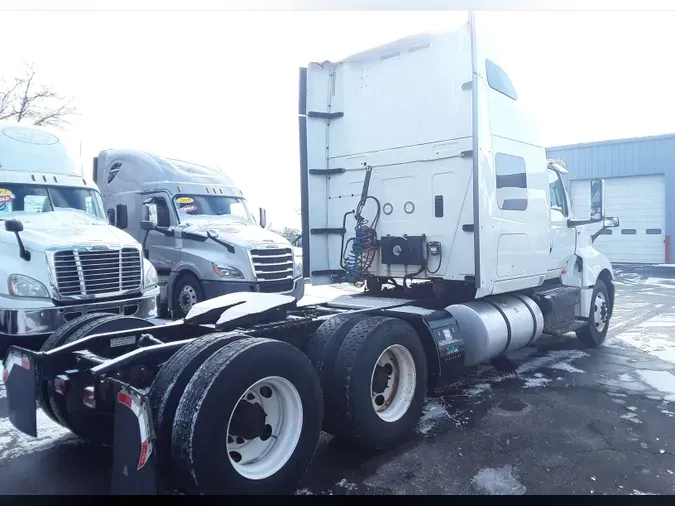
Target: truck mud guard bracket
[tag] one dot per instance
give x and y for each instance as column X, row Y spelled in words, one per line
column 325, row 115
column 326, row 172
column 328, row 231
column 329, row 272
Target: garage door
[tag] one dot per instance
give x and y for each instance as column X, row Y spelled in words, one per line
column 640, row 204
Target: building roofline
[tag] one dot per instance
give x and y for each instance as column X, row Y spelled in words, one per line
column 612, row 141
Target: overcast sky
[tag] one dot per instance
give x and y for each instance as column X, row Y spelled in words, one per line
column 221, row 87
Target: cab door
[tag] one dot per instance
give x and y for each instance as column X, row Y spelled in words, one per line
column 563, row 238
column 161, row 242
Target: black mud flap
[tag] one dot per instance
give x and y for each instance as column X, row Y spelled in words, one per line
column 20, row 383
column 134, row 468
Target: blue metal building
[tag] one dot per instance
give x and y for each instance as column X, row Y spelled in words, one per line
column 638, row 172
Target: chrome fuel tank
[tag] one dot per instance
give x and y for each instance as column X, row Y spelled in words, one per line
column 493, row 326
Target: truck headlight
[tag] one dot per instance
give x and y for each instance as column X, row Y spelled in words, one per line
column 150, row 280
column 227, row 272
column 23, row 286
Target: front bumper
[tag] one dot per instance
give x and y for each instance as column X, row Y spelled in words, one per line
column 37, row 322
column 217, row 288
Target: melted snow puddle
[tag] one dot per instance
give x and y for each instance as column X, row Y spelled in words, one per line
column 14, row 443
column 497, row 481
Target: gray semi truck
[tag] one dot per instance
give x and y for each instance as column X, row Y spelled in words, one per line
column 204, row 240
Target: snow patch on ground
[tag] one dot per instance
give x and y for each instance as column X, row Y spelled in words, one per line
column 347, row 485
column 637, row 492
column 535, row 382
column 647, row 338
column 433, row 413
column 660, row 282
column 497, row 481
column 558, row 359
column 564, row 366
column 631, row 417
column 663, row 381
column 478, row 389
column 14, row 444
column 303, row 491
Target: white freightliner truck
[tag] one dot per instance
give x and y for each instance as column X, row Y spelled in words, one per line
column 60, row 258
column 419, row 171
column 203, row 241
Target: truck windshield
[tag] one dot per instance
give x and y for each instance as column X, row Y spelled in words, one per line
column 16, row 197
column 213, row 205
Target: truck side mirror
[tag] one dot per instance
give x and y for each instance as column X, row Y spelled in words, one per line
column 146, row 212
column 610, row 223
column 147, row 225
column 597, row 199
column 263, row 217
column 13, row 226
column 122, row 217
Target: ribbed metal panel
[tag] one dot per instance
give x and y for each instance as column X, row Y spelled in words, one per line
column 619, row 158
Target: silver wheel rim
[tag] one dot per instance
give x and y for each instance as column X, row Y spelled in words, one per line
column 187, row 298
column 264, row 430
column 599, row 312
column 393, row 382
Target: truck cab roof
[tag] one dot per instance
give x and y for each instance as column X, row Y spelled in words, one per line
column 124, row 170
column 30, row 149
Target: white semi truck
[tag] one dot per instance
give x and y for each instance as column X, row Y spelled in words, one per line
column 203, row 241
column 60, row 258
column 419, row 171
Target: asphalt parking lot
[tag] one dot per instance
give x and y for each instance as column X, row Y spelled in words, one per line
column 568, row 421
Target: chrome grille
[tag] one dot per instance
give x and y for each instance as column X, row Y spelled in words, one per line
column 97, row 272
column 274, row 264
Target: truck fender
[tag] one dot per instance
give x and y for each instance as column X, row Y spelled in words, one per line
column 443, row 345
column 594, row 266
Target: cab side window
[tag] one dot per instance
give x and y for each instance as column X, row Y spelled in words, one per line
column 556, row 192
column 159, row 213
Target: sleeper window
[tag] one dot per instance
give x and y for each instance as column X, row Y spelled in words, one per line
column 511, row 182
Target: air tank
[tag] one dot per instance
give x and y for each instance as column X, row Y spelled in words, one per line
column 495, row 325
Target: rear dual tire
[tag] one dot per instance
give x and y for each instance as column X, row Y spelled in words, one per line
column 88, row 423
column 247, row 419
column 374, row 376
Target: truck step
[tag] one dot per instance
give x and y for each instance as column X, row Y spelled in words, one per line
column 565, row 327
column 556, row 292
